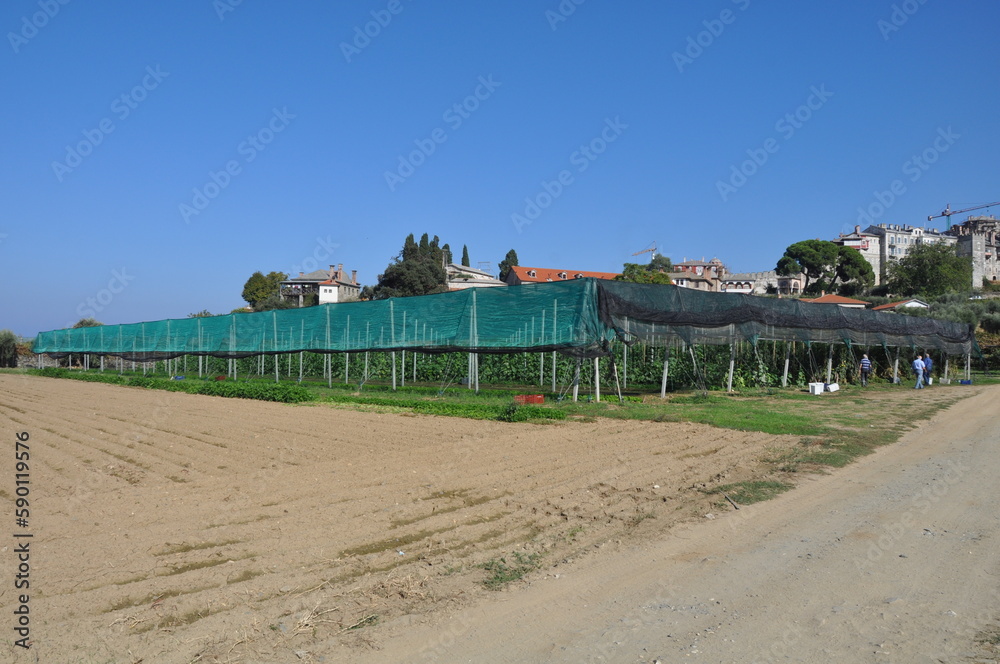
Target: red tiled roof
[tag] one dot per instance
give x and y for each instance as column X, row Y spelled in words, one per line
column 834, row 299
column 544, row 274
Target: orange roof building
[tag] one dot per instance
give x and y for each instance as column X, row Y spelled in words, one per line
column 839, row 300
column 534, row 275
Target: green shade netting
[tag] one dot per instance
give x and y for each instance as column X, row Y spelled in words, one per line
column 577, row 317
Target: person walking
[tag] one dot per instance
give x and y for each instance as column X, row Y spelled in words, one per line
column 866, row 369
column 918, row 369
column 928, row 365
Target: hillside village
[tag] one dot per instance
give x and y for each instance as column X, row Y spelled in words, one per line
column 879, row 244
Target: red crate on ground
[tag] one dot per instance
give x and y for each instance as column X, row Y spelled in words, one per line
column 528, row 398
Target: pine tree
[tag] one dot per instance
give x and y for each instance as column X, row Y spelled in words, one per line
column 465, row 256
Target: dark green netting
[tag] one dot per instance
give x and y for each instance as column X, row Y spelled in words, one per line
column 661, row 315
column 577, row 317
column 537, row 317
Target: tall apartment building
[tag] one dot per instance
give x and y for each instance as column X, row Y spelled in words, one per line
column 978, row 237
column 896, row 241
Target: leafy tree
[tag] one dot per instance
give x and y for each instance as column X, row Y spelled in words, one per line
column 465, row 256
column 260, row 287
column 853, row 271
column 87, row 322
column 204, row 313
column 641, row 274
column 8, row 349
column 660, row 263
column 816, row 259
column 277, row 302
column 509, row 261
column 930, row 270
column 417, row 270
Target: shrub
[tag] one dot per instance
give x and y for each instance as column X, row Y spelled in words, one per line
column 8, row 349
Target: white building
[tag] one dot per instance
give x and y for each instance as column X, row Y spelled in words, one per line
column 461, row 277
column 897, row 240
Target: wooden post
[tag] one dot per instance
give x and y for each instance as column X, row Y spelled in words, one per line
column 732, row 365
column 576, row 380
column 666, row 371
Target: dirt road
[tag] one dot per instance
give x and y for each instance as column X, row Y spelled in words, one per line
column 893, row 559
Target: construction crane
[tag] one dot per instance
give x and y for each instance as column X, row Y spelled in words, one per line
column 947, row 212
column 646, row 251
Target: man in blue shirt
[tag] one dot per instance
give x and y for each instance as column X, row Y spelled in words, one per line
column 928, row 364
column 918, row 369
column 866, row 369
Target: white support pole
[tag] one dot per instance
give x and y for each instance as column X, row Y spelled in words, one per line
column 597, row 379
column 576, row 380
column 553, row 372
column 945, row 381
column 393, row 371
column 666, row 372
column 968, row 366
column 625, row 360
column 402, row 369
column 732, row 365
column 829, row 362
column 784, row 376
column 895, row 368
column 541, row 356
column 555, row 339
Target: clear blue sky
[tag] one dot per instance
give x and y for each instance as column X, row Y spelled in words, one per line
column 115, row 113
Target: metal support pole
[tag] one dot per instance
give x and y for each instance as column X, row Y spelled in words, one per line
column 393, row 371
column 945, row 381
column 829, row 362
column 895, row 368
column 968, row 366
